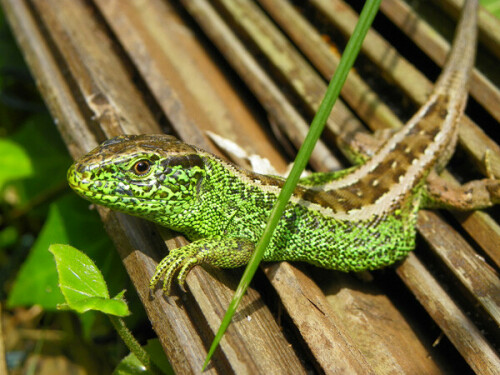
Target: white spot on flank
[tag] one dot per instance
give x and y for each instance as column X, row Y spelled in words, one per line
column 394, row 164
column 375, row 183
column 429, row 151
column 438, row 136
column 407, row 150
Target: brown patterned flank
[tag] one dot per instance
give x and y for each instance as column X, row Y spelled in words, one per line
column 395, row 164
column 389, row 167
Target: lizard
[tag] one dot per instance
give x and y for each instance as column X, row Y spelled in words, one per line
column 360, row 218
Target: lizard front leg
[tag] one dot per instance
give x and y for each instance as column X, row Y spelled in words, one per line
column 217, row 252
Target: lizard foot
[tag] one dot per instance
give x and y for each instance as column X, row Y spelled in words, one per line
column 181, row 259
column 217, row 252
column 473, row 195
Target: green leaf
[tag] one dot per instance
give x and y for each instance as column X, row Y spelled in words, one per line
column 36, row 283
column 105, row 305
column 130, row 365
column 82, row 283
column 493, row 6
column 69, row 221
column 15, row 162
column 49, row 158
column 79, row 278
column 157, row 354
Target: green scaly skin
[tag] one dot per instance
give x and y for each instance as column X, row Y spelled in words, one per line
column 359, row 219
column 208, row 200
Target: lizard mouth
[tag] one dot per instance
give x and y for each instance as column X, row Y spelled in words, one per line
column 74, row 178
column 85, row 186
column 77, row 180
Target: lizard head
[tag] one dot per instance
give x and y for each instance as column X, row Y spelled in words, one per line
column 152, row 176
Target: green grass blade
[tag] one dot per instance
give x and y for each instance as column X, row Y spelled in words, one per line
column 348, row 57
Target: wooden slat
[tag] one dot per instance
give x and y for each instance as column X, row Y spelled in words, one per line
column 485, row 231
column 343, row 359
column 489, row 25
column 473, row 272
column 93, row 70
column 115, row 67
column 64, row 107
column 461, row 257
column 460, row 330
column 415, row 85
column 356, row 93
column 267, row 35
column 279, row 110
column 436, row 47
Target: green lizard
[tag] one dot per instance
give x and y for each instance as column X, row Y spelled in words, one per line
column 358, row 219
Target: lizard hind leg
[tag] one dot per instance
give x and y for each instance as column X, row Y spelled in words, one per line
column 216, row 252
column 473, row 195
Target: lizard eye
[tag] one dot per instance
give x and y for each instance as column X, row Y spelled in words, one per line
column 141, row 167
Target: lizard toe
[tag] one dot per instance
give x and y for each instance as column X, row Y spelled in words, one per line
column 180, row 259
column 187, row 265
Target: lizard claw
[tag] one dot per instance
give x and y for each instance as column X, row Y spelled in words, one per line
column 180, row 259
column 217, row 252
